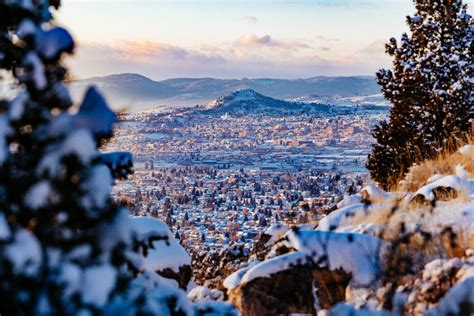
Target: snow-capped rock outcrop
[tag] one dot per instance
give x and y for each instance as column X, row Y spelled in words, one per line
column 313, row 275
column 379, row 253
column 164, row 256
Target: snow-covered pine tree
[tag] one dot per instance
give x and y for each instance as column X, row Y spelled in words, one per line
column 430, row 88
column 65, row 247
column 63, row 243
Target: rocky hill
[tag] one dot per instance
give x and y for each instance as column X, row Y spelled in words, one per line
column 380, row 253
column 247, row 101
column 408, row 252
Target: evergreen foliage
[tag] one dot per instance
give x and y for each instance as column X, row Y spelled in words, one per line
column 63, row 246
column 430, row 88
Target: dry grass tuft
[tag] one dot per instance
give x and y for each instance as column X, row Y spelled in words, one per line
column 445, row 164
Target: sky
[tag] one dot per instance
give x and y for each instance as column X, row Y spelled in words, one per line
column 164, row 39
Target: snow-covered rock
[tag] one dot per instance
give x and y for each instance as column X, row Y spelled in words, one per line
column 286, row 284
column 313, row 277
column 357, row 254
column 374, row 195
column 204, row 293
column 337, row 218
column 453, row 185
column 165, row 256
column 276, row 231
column 274, row 265
column 349, row 201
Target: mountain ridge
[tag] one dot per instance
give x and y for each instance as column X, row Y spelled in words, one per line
column 135, row 90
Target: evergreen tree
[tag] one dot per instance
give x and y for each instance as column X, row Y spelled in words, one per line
column 430, row 88
column 65, row 247
column 62, row 246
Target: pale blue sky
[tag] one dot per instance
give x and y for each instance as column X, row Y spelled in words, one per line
column 232, row 39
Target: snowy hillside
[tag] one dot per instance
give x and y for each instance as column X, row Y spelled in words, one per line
column 247, row 101
column 126, row 90
column 379, row 253
column 137, row 92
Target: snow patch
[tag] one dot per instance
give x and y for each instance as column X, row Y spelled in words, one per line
column 350, row 200
column 451, row 303
column 98, row 186
column 354, row 253
column 78, row 143
column 467, row 150
column 25, row 253
column 5, row 130
column 17, row 106
column 166, row 254
column 97, row 284
column 275, row 265
column 455, row 182
column 204, row 293
column 39, row 195
column 5, row 232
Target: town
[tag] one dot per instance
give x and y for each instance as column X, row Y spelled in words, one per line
column 219, row 181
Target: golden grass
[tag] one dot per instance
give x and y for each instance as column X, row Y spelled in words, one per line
column 444, row 164
column 436, row 232
column 393, row 215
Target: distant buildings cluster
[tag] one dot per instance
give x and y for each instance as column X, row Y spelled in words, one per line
column 222, row 180
column 214, row 208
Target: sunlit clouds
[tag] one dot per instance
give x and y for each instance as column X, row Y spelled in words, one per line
column 228, row 39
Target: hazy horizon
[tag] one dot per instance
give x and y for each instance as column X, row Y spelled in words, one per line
column 217, row 78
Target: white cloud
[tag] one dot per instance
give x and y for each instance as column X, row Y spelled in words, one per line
column 248, row 56
column 250, row 19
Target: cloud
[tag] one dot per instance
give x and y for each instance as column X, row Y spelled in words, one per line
column 376, row 48
column 326, row 39
column 254, row 40
column 268, row 41
column 248, row 56
column 151, row 58
column 250, row 19
column 147, row 51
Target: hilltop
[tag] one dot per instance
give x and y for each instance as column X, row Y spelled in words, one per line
column 247, row 101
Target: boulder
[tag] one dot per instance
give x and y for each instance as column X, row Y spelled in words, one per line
column 443, row 193
column 444, row 189
column 314, row 275
column 210, row 267
column 302, row 289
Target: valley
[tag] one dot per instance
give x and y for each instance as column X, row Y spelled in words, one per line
column 221, row 173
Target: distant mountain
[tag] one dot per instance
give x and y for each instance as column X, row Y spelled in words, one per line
column 125, row 90
column 248, row 101
column 138, row 92
column 279, row 88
